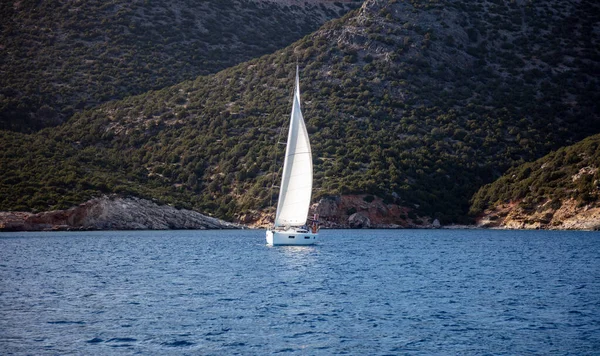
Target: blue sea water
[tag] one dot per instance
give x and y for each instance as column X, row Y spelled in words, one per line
column 359, row 292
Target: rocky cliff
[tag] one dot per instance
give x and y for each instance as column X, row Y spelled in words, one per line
column 367, row 211
column 112, row 213
column 570, row 215
column 353, row 212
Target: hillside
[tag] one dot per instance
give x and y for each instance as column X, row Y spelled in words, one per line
column 559, row 190
column 59, row 57
column 416, row 102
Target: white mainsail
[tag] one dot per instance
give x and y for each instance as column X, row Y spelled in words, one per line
column 296, row 183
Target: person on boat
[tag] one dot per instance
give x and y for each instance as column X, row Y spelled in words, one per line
column 315, row 224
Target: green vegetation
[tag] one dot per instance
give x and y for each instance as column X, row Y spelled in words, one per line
column 61, row 57
column 568, row 173
column 418, row 102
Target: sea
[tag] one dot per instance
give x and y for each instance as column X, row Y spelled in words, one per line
column 357, row 292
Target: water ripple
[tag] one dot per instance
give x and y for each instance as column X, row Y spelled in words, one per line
column 358, row 292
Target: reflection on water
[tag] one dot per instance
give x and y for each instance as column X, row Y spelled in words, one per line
column 298, row 251
column 300, row 257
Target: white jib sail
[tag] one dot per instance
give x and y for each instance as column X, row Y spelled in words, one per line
column 296, row 183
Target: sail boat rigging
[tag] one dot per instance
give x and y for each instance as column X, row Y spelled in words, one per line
column 289, row 227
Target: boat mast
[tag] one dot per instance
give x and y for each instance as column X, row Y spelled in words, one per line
column 277, row 143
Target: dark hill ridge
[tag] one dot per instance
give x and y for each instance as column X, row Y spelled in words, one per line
column 58, row 57
column 417, row 102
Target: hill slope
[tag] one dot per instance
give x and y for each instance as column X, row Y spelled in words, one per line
column 418, row 102
column 559, row 190
column 57, row 58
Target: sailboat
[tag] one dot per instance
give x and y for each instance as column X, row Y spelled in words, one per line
column 290, row 225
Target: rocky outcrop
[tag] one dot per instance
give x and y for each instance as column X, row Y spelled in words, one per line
column 112, row 213
column 350, row 212
column 359, row 221
column 570, row 215
column 261, row 219
column 366, row 211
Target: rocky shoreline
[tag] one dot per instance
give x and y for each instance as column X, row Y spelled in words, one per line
column 335, row 212
column 112, row 213
column 570, row 215
column 353, row 212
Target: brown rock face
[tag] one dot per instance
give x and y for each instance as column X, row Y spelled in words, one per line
column 569, row 216
column 349, row 211
column 364, row 211
column 112, row 214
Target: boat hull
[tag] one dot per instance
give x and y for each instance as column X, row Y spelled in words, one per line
column 291, row 238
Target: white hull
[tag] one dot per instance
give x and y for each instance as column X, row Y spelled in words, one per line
column 291, row 238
